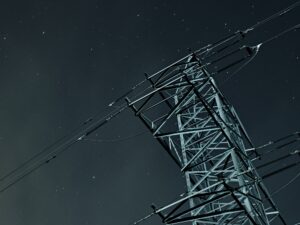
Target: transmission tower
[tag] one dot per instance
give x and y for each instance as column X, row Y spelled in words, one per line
column 189, row 116
column 184, row 109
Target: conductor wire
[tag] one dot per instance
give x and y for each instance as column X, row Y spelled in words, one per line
column 287, row 184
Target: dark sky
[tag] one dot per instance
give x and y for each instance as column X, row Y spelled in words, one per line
column 63, row 61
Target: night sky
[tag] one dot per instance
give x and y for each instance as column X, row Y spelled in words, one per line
column 63, row 61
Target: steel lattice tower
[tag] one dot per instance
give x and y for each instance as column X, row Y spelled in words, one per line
column 188, row 115
column 186, row 112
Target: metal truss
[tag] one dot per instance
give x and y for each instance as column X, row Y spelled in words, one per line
column 188, row 115
column 186, row 112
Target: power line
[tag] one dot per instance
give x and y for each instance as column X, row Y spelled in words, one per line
column 115, row 139
column 286, row 185
column 94, row 123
